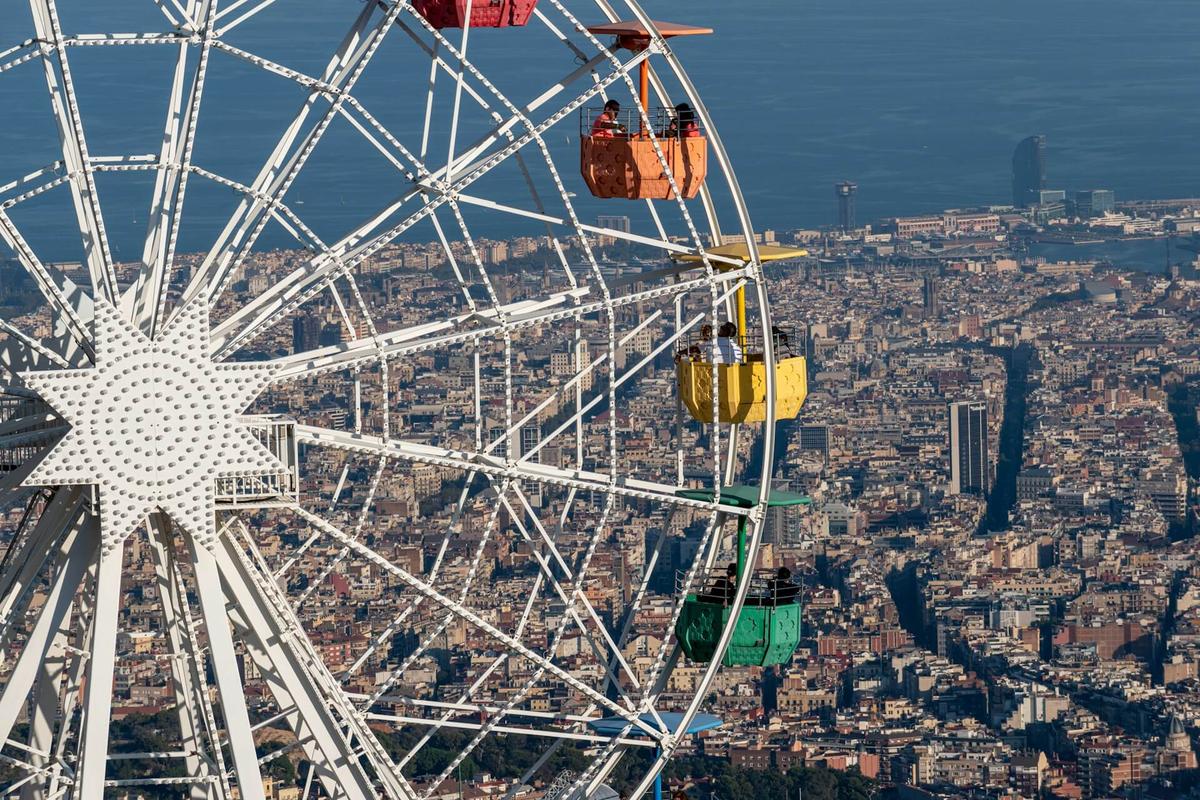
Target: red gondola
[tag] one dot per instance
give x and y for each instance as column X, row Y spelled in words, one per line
column 484, row 13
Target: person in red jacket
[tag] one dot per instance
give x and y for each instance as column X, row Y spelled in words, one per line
column 606, row 125
column 684, row 125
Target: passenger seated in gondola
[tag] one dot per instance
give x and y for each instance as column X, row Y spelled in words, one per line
column 696, row 351
column 606, row 125
column 727, row 350
column 783, row 590
column 683, row 124
column 723, row 589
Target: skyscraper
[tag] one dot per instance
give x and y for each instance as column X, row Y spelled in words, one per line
column 970, row 469
column 815, row 438
column 531, row 437
column 845, row 197
column 306, row 332
column 929, row 295
column 782, row 524
column 1028, row 171
column 298, row 345
column 1094, row 202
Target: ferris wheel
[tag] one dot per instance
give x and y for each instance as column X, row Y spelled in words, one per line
column 317, row 492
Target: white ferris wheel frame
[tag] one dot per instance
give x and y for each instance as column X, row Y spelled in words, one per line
column 331, row 724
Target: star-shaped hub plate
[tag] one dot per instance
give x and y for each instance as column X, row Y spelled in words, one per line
column 154, row 423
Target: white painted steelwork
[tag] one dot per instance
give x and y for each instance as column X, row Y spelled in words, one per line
column 127, row 417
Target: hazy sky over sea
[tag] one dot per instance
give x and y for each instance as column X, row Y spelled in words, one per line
column 920, row 102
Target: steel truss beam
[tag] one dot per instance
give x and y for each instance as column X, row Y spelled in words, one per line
column 65, row 108
column 497, row 467
column 300, row 285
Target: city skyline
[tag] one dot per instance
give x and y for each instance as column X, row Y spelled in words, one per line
column 871, row 122
column 432, row 401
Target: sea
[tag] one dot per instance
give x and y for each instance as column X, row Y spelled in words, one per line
column 919, row 102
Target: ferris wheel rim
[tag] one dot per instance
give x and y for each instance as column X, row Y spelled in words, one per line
column 751, row 273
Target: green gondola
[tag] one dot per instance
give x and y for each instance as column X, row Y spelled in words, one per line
column 767, row 633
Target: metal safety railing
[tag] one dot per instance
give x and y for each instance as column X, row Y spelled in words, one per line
column 766, row 587
column 25, row 444
column 666, row 122
column 699, row 343
column 267, row 488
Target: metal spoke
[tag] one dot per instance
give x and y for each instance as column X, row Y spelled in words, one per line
column 299, row 286
column 166, row 209
column 21, row 54
column 285, row 163
column 498, row 467
column 292, row 679
column 77, row 553
column 75, row 152
column 97, row 702
column 561, row 519
column 118, row 39
column 220, row 643
column 71, row 306
column 184, row 659
column 242, row 17
column 470, row 616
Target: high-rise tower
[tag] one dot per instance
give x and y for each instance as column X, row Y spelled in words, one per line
column 970, row 469
column 306, row 332
column 845, row 197
column 929, row 294
column 1029, row 171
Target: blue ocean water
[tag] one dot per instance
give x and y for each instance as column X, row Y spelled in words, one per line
column 919, row 102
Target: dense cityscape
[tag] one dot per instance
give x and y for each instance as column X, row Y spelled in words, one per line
column 998, row 569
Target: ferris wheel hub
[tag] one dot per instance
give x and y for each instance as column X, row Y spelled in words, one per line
column 132, row 433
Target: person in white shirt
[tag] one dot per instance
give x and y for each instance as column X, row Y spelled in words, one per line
column 726, row 350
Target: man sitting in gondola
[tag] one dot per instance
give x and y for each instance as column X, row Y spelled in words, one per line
column 783, row 590
column 724, row 588
column 727, row 350
column 606, row 125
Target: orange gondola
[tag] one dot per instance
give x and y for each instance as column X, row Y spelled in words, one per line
column 626, row 164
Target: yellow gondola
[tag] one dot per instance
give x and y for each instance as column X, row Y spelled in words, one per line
column 743, row 386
